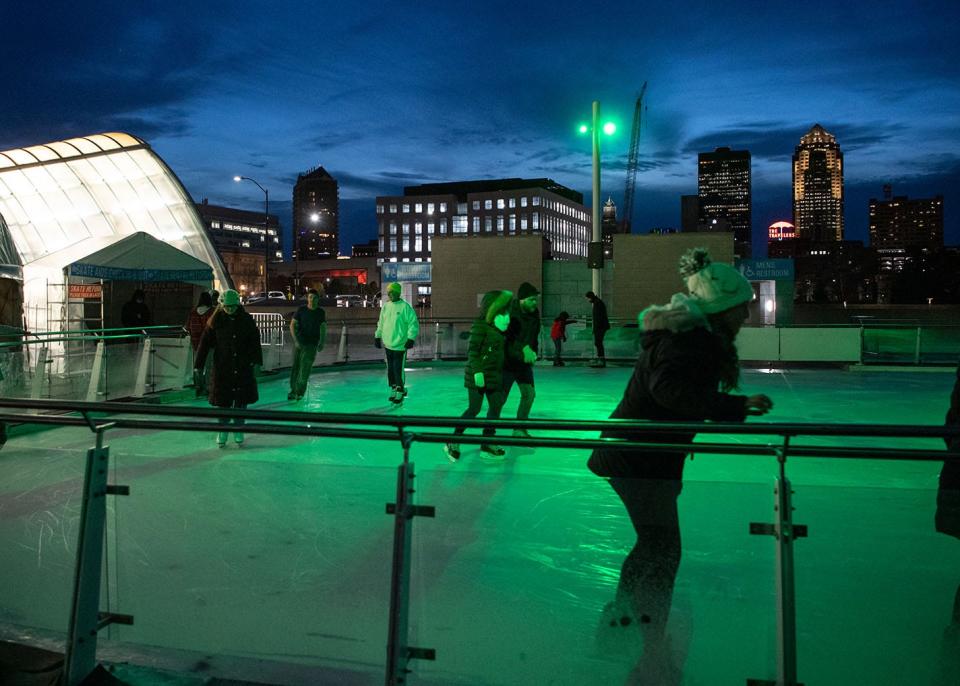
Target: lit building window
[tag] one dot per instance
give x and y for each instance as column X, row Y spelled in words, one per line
column 476, row 224
column 513, row 202
column 500, row 224
column 393, row 209
column 443, row 225
column 393, row 227
column 418, row 228
column 406, row 228
column 523, row 222
column 406, row 208
column 393, row 245
column 476, row 204
column 501, row 203
column 418, row 244
column 488, row 224
column 536, row 200
column 535, row 220
column 443, row 207
column 430, row 207
column 406, row 245
column 523, row 201
column 488, row 204
column 513, row 223
column 459, row 224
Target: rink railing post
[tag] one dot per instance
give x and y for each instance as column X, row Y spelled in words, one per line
column 437, row 344
column 785, row 532
column 342, row 354
column 403, row 511
column 80, row 656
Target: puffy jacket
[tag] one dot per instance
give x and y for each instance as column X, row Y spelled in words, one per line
column 676, row 378
column 235, row 345
column 485, row 354
column 524, row 330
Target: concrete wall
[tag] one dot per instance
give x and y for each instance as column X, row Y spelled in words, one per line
column 465, row 267
column 646, row 267
column 565, row 282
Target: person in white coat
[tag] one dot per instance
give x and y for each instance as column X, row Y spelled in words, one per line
column 397, row 331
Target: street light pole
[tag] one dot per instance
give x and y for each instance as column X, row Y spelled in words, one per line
column 596, row 274
column 266, row 230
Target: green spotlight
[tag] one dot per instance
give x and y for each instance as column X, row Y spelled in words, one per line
column 609, row 128
column 583, row 128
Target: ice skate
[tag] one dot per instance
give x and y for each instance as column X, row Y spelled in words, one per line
column 492, row 452
column 452, row 451
column 221, row 439
column 238, row 438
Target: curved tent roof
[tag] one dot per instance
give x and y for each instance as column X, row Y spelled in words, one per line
column 9, row 259
column 67, row 199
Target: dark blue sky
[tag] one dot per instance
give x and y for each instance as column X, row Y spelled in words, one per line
column 389, row 94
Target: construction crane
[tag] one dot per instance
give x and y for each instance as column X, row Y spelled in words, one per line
column 627, row 216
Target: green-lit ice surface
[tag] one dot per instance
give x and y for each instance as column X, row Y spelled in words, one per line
column 271, row 562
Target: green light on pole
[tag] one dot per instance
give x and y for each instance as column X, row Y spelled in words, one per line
column 583, row 128
column 609, row 128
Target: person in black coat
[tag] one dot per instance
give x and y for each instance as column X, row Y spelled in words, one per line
column 523, row 342
column 601, row 324
column 483, row 375
column 135, row 313
column 947, row 519
column 687, row 367
column 233, row 337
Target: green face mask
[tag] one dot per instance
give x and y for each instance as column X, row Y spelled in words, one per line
column 502, row 321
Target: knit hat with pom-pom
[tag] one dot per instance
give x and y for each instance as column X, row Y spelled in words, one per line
column 714, row 285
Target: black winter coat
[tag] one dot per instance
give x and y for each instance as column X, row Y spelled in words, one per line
column 524, row 330
column 485, row 354
column 948, row 495
column 235, row 344
column 676, row 378
column 600, row 320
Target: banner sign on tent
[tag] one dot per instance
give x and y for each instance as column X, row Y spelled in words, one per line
column 120, row 274
column 79, row 291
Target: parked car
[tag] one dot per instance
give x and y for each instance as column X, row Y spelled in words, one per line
column 350, row 301
column 271, row 295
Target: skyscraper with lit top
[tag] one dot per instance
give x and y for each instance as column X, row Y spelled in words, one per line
column 818, row 187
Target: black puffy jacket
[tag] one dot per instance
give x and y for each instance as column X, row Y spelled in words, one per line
column 234, row 343
column 485, row 354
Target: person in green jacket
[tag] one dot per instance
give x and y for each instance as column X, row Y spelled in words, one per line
column 483, row 376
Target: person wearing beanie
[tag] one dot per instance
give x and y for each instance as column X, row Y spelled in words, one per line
column 687, row 368
column 397, row 330
column 522, row 344
column 233, row 339
column 483, row 375
column 308, row 328
column 601, row 324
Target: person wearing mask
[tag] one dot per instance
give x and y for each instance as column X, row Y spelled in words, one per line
column 308, row 328
column 196, row 323
column 483, row 375
column 601, row 324
column 522, row 343
column 687, row 370
column 135, row 313
column 397, row 330
column 233, row 339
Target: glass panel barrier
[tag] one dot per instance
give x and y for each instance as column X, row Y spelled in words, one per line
column 40, row 499
column 875, row 588
column 515, row 577
column 262, row 552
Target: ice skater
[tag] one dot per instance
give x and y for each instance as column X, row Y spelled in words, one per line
column 601, row 324
column 196, row 324
column 483, row 376
column 558, row 334
column 686, row 371
column 947, row 521
column 308, row 328
column 397, row 330
column 234, row 340
column 522, row 343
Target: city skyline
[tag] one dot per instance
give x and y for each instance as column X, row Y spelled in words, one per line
column 383, row 98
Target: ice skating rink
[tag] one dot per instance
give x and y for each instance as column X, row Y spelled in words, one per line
column 271, row 562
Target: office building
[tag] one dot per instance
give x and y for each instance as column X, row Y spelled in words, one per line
column 723, row 191
column 901, row 222
column 241, row 241
column 504, row 207
column 818, row 187
column 316, row 212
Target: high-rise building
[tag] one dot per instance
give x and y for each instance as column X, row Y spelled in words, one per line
column 902, row 222
column 723, row 191
column 818, row 187
column 689, row 213
column 316, row 212
column 505, row 207
column 239, row 238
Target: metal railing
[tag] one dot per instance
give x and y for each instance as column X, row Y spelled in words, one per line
column 86, row 619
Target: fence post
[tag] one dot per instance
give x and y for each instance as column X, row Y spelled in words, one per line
column 342, row 354
column 80, row 658
column 916, row 350
column 403, row 510
column 143, row 366
column 40, row 371
column 93, row 388
column 785, row 532
column 437, row 346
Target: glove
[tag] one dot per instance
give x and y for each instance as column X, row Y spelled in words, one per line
column 478, row 379
column 409, row 344
column 529, row 357
column 377, row 343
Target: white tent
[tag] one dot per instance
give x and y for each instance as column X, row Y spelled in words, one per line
column 141, row 257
